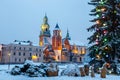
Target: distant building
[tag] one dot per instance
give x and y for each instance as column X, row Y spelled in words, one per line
column 58, row 49
column 0, row 52
column 19, row 53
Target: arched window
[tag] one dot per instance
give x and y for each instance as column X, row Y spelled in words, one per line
column 46, row 29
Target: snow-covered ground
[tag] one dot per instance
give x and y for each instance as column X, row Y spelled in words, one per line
column 7, row 76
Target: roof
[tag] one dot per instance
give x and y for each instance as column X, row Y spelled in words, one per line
column 57, row 27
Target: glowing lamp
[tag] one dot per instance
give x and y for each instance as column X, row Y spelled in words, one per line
column 103, row 9
column 105, row 40
column 96, row 49
column 96, row 39
column 97, row 15
column 98, row 10
column 115, row 11
column 97, row 42
column 104, row 24
column 97, row 22
column 97, row 36
column 105, row 31
column 104, row 53
column 98, row 56
column 97, row 29
column 106, row 47
column 101, row 2
column 103, row 17
column 34, row 57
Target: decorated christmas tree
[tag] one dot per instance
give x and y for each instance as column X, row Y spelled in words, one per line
column 105, row 40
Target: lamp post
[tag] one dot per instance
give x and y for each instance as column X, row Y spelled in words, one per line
column 9, row 60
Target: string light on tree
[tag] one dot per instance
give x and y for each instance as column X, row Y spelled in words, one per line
column 98, row 10
column 97, row 36
column 104, row 53
column 105, row 31
column 103, row 9
column 98, row 22
column 105, row 40
column 106, row 26
column 98, row 15
column 106, row 48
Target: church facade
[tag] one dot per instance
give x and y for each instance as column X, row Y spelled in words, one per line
column 57, row 48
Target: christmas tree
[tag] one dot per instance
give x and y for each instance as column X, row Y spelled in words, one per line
column 105, row 40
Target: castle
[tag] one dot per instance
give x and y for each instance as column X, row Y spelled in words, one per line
column 58, row 48
column 51, row 48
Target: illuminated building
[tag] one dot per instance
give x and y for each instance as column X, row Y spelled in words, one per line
column 58, row 49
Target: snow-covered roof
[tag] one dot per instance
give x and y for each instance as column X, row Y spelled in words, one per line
column 0, row 47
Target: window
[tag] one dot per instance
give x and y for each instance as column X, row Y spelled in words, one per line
column 14, row 53
column 19, row 48
column 39, row 55
column 36, row 49
column 40, row 50
column 36, row 54
column 19, row 53
column 46, row 29
column 19, row 60
column 37, row 59
column 24, row 59
column 24, row 48
column 80, row 59
column 14, row 48
column 30, row 49
column 30, row 54
column 15, row 59
column 23, row 54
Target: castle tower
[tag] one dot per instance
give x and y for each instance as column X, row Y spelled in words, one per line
column 57, row 42
column 67, row 35
column 45, row 35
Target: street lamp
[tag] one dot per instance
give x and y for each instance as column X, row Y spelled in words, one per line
column 34, row 57
column 9, row 60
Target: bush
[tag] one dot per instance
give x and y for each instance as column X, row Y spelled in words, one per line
column 30, row 69
column 71, row 70
column 16, row 70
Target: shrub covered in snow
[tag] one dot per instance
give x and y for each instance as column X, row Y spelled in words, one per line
column 33, row 70
column 16, row 70
column 30, row 69
column 118, row 69
column 71, row 70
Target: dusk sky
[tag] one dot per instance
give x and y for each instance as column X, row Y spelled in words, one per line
column 21, row 19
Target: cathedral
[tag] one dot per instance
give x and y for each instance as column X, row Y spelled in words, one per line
column 57, row 48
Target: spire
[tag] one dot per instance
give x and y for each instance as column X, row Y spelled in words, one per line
column 45, row 19
column 67, row 35
column 57, row 27
column 45, row 27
